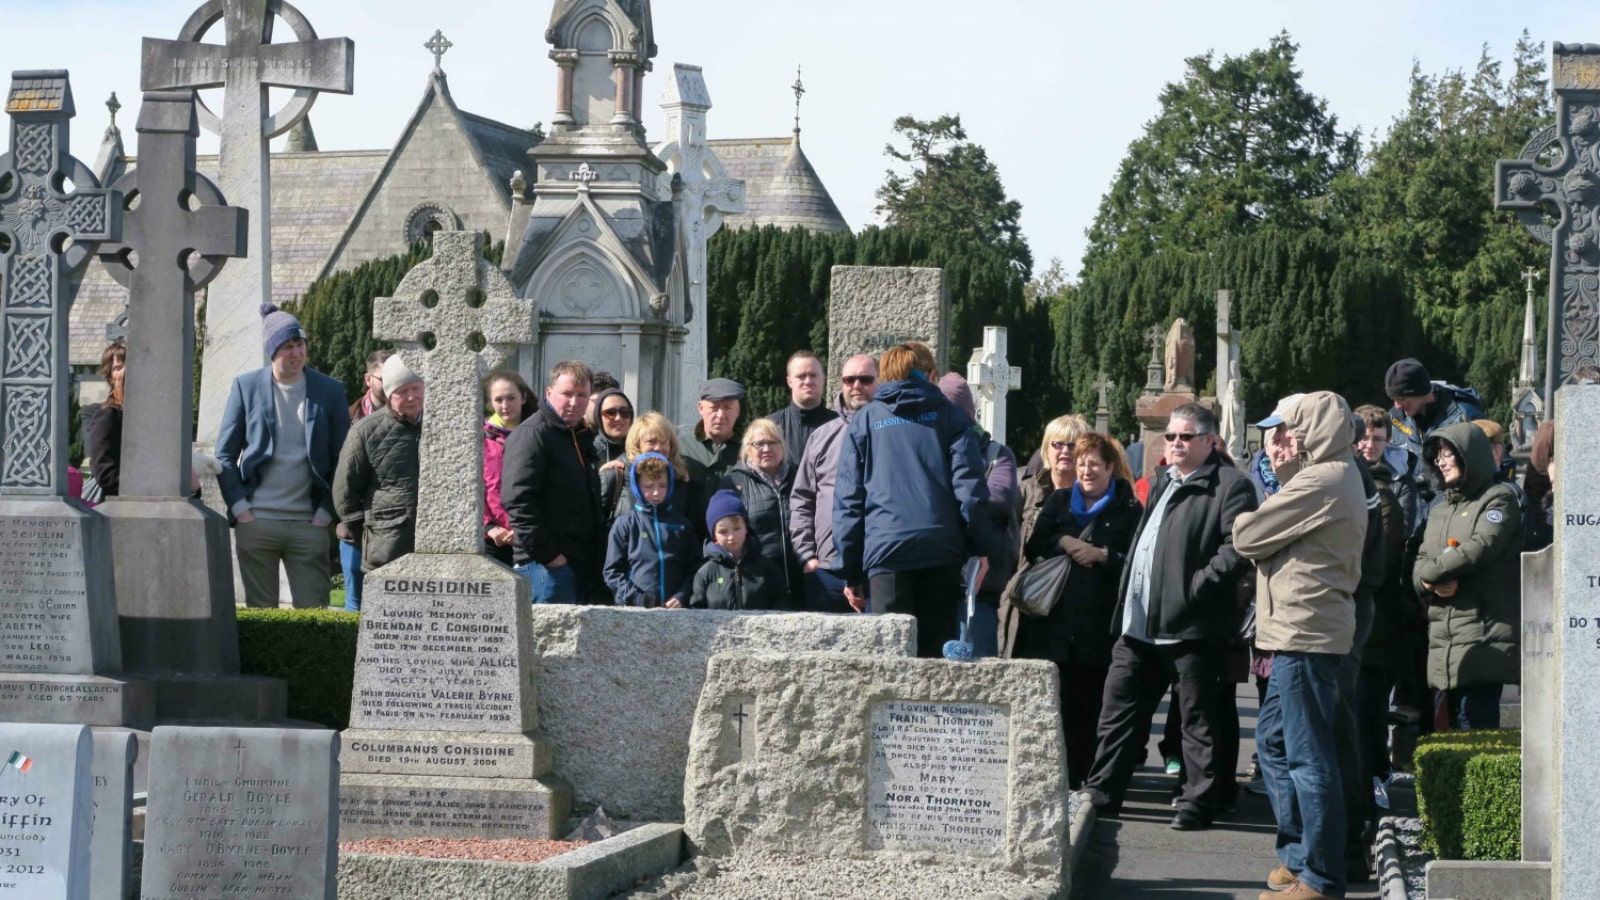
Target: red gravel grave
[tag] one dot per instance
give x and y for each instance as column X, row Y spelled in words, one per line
column 512, row 850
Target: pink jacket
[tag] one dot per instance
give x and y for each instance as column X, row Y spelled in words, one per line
column 494, row 451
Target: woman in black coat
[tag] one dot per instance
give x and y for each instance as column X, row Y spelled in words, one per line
column 1094, row 523
column 763, row 479
column 105, row 427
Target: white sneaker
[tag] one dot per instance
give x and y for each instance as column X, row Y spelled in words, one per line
column 1256, row 785
column 1380, row 792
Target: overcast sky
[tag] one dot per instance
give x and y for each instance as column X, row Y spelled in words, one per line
column 1054, row 89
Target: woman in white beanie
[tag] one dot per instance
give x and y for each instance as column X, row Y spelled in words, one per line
column 375, row 485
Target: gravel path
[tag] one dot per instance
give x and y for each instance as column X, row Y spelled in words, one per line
column 769, row 878
column 517, row 850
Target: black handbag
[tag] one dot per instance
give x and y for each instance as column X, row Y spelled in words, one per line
column 1037, row 587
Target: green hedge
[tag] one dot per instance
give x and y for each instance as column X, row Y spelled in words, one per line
column 312, row 649
column 1469, row 794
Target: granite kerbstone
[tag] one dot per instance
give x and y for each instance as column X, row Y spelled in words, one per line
column 404, row 806
column 618, row 687
column 111, row 856
column 1459, row 879
column 242, row 811
column 830, row 755
column 872, row 308
column 46, row 811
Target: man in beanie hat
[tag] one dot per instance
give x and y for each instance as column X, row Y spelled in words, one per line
column 1422, row 405
column 278, row 446
column 375, row 487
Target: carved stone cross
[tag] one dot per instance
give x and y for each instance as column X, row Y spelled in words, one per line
column 161, row 232
column 245, row 67
column 453, row 319
column 1568, row 188
column 1103, row 386
column 992, row 376
column 36, row 221
column 438, row 45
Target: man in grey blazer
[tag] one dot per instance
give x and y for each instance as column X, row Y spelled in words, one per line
column 279, row 445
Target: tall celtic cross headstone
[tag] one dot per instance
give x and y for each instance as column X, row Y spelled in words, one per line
column 245, row 66
column 58, row 638
column 441, row 740
column 1559, row 173
column 177, row 621
column 1102, row 411
column 992, row 376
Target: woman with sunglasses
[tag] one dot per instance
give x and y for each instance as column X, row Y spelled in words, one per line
column 610, row 417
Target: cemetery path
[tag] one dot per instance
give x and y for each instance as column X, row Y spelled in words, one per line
column 1139, row 856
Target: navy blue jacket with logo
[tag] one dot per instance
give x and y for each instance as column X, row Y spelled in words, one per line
column 910, row 492
column 653, row 552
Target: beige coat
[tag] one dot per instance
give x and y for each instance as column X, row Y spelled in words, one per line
column 1306, row 539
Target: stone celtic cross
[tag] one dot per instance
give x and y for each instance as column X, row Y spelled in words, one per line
column 453, row 319
column 161, row 232
column 38, row 216
column 1559, row 173
column 1103, row 385
column 992, row 376
column 438, row 45
column 245, row 66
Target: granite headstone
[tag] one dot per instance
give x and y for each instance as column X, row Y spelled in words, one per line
column 872, row 308
column 46, row 811
column 111, row 851
column 242, row 812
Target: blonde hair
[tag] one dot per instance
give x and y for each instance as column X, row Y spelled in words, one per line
column 753, row 433
column 1062, row 428
column 655, row 425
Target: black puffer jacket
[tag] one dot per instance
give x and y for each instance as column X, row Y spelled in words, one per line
column 748, row 583
column 375, row 486
column 552, row 496
column 767, row 504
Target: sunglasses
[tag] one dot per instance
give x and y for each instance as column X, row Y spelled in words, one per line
column 859, row 379
column 1184, row 436
column 617, row 413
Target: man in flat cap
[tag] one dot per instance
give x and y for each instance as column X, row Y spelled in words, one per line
column 711, row 446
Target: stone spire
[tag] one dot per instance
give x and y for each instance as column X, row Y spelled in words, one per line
column 1528, row 373
column 301, row 138
column 110, row 163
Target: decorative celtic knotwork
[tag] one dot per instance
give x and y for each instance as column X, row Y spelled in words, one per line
column 1580, row 314
column 28, row 347
column 27, row 439
column 30, row 282
column 86, row 215
column 34, row 150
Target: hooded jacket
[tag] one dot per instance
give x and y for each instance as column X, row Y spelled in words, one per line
column 375, row 486
column 551, row 496
column 811, row 500
column 494, row 455
column 613, row 484
column 1473, row 537
column 750, row 582
column 1306, row 540
column 652, row 553
column 910, row 492
column 767, row 502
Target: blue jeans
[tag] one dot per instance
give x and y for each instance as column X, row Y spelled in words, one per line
column 350, row 562
column 825, row 593
column 557, row 584
column 1474, row 706
column 1295, row 738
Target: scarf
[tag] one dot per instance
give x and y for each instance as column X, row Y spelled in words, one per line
column 1084, row 516
column 1269, row 478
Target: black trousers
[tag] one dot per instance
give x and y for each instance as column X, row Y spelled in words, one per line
column 933, row 596
column 1140, row 674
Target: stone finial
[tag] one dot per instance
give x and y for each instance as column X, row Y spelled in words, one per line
column 438, row 45
column 799, row 89
column 113, row 106
column 519, row 186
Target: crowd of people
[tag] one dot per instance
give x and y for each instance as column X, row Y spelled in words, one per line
column 1361, row 567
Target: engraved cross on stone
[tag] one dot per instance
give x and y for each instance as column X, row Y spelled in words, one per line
column 453, row 319
column 744, row 730
column 238, row 746
column 161, row 232
column 39, row 218
column 1568, row 187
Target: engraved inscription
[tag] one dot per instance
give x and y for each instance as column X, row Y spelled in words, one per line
column 937, row 777
column 44, row 623
column 394, row 812
column 34, row 821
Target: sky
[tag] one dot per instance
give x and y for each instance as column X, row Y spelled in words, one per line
column 1053, row 89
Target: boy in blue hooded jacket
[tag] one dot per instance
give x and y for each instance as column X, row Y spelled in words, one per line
column 653, row 552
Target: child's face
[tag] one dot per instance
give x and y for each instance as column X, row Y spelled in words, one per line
column 730, row 534
column 653, row 489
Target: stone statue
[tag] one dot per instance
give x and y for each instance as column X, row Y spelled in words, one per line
column 1233, row 424
column 1180, row 357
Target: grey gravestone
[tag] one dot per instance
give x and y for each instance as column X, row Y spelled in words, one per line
column 46, row 811
column 924, row 760
column 242, row 812
column 441, row 735
column 1576, row 795
column 177, row 622
column 58, row 635
column 111, row 856
column 1556, row 174
column 870, row 309
column 1538, row 687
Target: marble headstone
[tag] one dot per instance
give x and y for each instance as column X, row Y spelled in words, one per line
column 441, row 739
column 46, row 811
column 111, row 856
column 872, row 308
column 992, row 376
column 242, row 812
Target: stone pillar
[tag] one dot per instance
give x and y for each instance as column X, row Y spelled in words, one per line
column 624, row 65
column 566, row 63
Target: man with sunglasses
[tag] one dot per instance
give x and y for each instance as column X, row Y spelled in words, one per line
column 811, row 501
column 806, row 412
column 1176, row 614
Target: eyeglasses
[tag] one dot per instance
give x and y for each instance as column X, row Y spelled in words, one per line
column 859, row 379
column 764, row 445
column 1060, row 445
column 1184, row 436
column 620, row 413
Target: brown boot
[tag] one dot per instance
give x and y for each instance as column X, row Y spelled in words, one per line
column 1280, row 879
column 1301, row 891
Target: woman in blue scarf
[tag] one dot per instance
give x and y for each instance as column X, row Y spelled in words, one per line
column 1094, row 523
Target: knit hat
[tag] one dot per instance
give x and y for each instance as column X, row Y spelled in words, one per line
column 1407, row 378
column 724, row 504
column 957, row 391
column 396, row 374
column 1494, row 431
column 278, row 328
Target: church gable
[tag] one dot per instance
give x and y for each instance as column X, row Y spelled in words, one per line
column 585, row 268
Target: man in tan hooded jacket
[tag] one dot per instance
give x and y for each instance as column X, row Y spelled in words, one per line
column 1306, row 542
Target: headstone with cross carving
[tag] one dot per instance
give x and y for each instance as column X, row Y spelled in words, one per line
column 992, row 376
column 1102, row 410
column 178, row 622
column 443, row 658
column 242, row 811
column 245, row 66
column 1170, row 383
column 58, row 641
